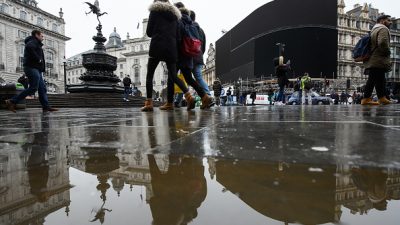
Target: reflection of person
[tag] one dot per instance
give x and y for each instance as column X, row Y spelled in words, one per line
column 373, row 183
column 179, row 192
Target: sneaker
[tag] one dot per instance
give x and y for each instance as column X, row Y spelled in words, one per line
column 11, row 106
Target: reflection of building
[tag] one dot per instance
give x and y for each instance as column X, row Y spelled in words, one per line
column 17, row 20
column 132, row 54
column 209, row 67
column 352, row 26
column 291, row 192
column 17, row 203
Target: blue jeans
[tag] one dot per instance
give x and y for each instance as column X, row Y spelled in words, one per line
column 281, row 95
column 197, row 72
column 127, row 92
column 36, row 84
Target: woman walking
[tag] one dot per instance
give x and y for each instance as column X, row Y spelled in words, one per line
column 163, row 30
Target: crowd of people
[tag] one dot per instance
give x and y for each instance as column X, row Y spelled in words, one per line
column 179, row 41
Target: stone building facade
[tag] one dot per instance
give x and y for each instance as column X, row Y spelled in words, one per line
column 209, row 72
column 354, row 24
column 132, row 54
column 17, row 19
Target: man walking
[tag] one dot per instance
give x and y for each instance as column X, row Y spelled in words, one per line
column 127, row 85
column 379, row 63
column 34, row 66
column 217, row 88
column 199, row 60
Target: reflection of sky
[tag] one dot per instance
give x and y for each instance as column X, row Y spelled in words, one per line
column 219, row 207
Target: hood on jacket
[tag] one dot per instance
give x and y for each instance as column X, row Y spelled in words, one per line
column 171, row 11
column 379, row 26
column 29, row 39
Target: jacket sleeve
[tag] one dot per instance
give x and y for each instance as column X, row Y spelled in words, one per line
column 31, row 50
column 384, row 41
column 150, row 25
column 204, row 41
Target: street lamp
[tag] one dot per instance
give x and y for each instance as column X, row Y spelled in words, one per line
column 65, row 75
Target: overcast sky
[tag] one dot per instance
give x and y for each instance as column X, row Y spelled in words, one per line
column 213, row 16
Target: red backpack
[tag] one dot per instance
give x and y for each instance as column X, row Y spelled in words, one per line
column 191, row 41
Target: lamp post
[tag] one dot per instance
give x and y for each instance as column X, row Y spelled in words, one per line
column 65, row 75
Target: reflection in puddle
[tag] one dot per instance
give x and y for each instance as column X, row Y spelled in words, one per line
column 35, row 189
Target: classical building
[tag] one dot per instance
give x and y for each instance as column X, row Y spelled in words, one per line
column 354, row 24
column 209, row 73
column 132, row 54
column 17, row 19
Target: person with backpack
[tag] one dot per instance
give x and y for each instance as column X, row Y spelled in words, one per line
column 162, row 28
column 189, row 46
column 199, row 60
column 378, row 63
column 127, row 87
column 306, row 87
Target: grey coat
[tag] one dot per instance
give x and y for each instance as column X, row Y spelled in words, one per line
column 380, row 44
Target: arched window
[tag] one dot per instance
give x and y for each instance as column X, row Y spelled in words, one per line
column 23, row 15
column 4, row 8
column 21, row 56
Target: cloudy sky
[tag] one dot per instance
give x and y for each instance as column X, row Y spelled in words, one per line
column 213, row 16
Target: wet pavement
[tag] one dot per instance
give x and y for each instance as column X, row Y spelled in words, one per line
column 255, row 165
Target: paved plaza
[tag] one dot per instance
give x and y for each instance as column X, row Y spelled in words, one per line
column 274, row 165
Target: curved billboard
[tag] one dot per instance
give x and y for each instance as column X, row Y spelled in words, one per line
column 308, row 28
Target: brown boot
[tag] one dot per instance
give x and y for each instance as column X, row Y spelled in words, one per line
column 384, row 101
column 148, row 106
column 368, row 101
column 167, row 107
column 191, row 102
column 206, row 102
column 11, row 106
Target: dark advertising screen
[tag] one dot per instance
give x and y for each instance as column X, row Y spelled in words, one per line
column 307, row 27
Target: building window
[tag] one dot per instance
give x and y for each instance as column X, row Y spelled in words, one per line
column 50, row 43
column 121, row 66
column 21, row 56
column 4, row 8
column 136, row 61
column 137, row 74
column 22, row 34
column 39, row 21
column 55, row 27
column 22, row 15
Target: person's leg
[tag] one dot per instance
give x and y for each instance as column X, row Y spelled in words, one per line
column 42, row 91
column 178, row 99
column 33, row 76
column 197, row 72
column 369, row 87
column 151, row 68
column 187, row 73
column 380, row 83
column 126, row 93
column 172, row 74
column 303, row 97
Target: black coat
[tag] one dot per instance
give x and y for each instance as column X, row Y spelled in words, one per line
column 199, row 60
column 184, row 61
column 281, row 73
column 162, row 28
column 33, row 54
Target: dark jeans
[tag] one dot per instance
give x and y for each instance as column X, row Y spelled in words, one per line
column 377, row 80
column 281, row 94
column 127, row 92
column 187, row 74
column 36, row 84
column 172, row 77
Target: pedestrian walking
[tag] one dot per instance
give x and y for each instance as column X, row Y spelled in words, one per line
column 217, row 88
column 379, row 62
column 199, row 60
column 127, row 87
column 162, row 28
column 306, row 85
column 34, row 67
column 281, row 70
column 229, row 96
column 187, row 31
column 253, row 97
